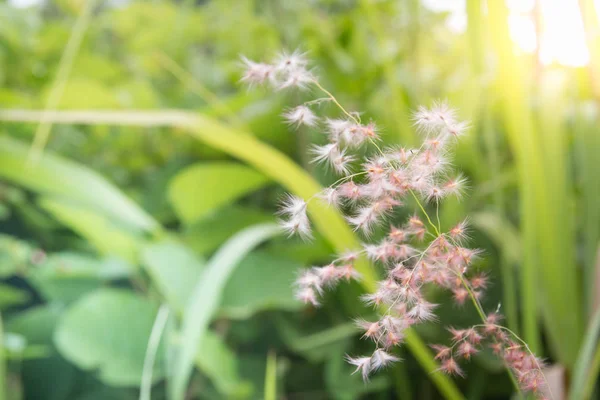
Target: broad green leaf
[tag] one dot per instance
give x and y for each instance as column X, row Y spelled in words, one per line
column 201, row 189
column 17, row 348
column 57, row 176
column 206, row 298
column 107, row 331
column 108, row 237
column 12, row 296
column 36, row 324
column 50, row 378
column 15, row 255
column 260, row 282
column 64, row 277
column 174, row 269
column 220, row 364
column 206, row 235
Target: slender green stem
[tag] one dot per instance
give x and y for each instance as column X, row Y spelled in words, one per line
column 271, row 376
column 481, row 313
column 337, row 103
column 425, row 213
column 437, row 215
column 153, row 343
column 65, row 65
column 474, row 299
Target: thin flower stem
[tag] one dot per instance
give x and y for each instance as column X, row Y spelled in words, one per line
column 317, row 101
column 481, row 313
column 437, row 214
column 376, row 146
column 473, row 298
column 425, row 212
column 332, row 97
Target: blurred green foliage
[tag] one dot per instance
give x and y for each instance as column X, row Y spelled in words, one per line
column 114, row 222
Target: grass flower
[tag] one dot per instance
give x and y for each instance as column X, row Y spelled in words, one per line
column 412, row 256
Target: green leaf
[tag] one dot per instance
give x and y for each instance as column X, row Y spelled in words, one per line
column 583, row 376
column 206, row 235
column 200, row 189
column 174, row 269
column 501, row 232
column 260, row 282
column 12, row 296
column 108, row 237
column 15, row 255
column 65, row 277
column 162, row 318
column 220, row 364
column 51, row 378
column 36, row 324
column 108, row 331
column 57, row 176
column 206, row 298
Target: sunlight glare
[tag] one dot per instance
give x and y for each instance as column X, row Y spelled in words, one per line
column 562, row 37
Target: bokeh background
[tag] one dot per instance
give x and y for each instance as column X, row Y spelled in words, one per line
column 137, row 252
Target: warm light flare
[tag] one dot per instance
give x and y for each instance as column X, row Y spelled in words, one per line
column 561, row 38
column 561, row 34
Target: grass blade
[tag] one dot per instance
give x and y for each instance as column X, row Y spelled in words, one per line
column 583, row 372
column 84, row 186
column 64, row 69
column 153, row 342
column 3, row 377
column 549, row 274
column 207, row 296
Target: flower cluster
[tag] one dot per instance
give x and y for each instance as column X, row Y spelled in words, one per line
column 286, row 71
column 413, row 255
